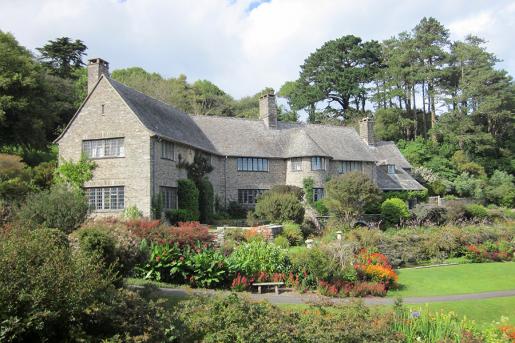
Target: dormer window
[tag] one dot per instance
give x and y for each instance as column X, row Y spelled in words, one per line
column 391, row 168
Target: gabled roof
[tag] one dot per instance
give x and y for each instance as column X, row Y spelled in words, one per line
column 388, row 152
column 401, row 180
column 163, row 119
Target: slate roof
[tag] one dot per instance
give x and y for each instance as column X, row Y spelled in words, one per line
column 227, row 136
column 401, row 180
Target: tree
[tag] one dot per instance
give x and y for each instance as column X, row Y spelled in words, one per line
column 63, row 56
column 348, row 195
column 335, row 74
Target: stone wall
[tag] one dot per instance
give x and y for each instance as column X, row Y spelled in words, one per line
column 131, row 171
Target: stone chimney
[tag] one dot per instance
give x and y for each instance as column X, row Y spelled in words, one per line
column 268, row 109
column 96, row 67
column 366, row 130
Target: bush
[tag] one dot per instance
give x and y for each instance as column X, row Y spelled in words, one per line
column 206, row 201
column 236, row 211
column 279, row 207
column 254, row 257
column 186, row 233
column 293, row 233
column 59, row 207
column 188, row 196
column 500, row 189
column 282, row 241
column 490, row 251
column 348, row 195
column 97, row 242
column 308, row 184
column 288, row 189
column 321, row 208
column 179, row 215
column 75, row 174
column 455, row 213
column 394, row 210
column 132, row 212
column 475, row 211
column 314, row 263
column 430, row 215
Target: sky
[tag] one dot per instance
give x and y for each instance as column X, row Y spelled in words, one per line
column 243, row 46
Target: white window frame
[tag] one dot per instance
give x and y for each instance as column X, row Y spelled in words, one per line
column 252, row 164
column 318, row 193
column 391, row 168
column 350, row 166
column 103, row 148
column 318, row 163
column 249, row 196
column 167, row 150
column 296, row 164
column 106, row 198
column 169, row 197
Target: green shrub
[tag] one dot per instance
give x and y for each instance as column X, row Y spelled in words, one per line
column 349, row 194
column 308, row 184
column 282, row 241
column 257, row 256
column 59, row 207
column 279, row 207
column 315, row 263
column 455, row 212
column 207, row 268
column 236, row 211
column 46, row 292
column 394, row 210
column 430, row 215
column 500, row 189
column 297, row 191
column 75, row 174
column 321, row 208
column 188, row 197
column 95, row 241
column 179, row 216
column 293, row 233
column 206, row 200
column 475, row 211
column 132, row 212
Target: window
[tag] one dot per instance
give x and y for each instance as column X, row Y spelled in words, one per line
column 167, row 150
column 350, row 166
column 318, row 193
column 317, row 163
column 391, row 168
column 100, row 148
column 169, row 196
column 252, row 164
column 105, row 198
column 296, row 164
column 249, row 196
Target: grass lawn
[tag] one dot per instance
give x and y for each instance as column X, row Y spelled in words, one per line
column 458, row 279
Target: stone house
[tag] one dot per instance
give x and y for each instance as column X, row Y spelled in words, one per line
column 138, row 142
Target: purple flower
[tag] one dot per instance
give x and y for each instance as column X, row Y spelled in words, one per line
column 415, row 314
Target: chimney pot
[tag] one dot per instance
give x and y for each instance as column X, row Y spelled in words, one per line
column 96, row 67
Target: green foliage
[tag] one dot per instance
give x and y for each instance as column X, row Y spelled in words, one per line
column 407, row 195
column 257, row 256
column 430, row 215
column 348, row 195
column 59, row 207
column 179, row 216
column 63, row 56
column 282, row 242
column 207, row 268
column 394, row 210
column 500, row 189
column 475, row 211
column 391, row 124
column 132, row 212
column 235, row 210
column 97, row 242
column 321, row 208
column 206, row 200
column 14, row 178
column 156, row 206
column 293, row 233
column 279, row 207
column 75, row 174
column 188, row 196
column 308, row 184
column 315, row 262
column 469, row 186
column 297, row 191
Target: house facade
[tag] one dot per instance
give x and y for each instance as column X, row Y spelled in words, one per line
column 138, row 144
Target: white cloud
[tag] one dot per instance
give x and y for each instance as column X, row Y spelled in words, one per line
column 239, row 49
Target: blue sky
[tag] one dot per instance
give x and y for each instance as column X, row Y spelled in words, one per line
column 242, row 45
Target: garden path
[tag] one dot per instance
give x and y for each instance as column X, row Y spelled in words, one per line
column 297, row 298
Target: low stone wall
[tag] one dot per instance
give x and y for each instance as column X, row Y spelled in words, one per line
column 269, row 232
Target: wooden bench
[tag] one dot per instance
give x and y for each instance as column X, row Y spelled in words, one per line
column 267, row 284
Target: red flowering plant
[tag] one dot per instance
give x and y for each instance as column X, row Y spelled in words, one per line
column 508, row 331
column 490, row 251
column 241, row 283
column 375, row 267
